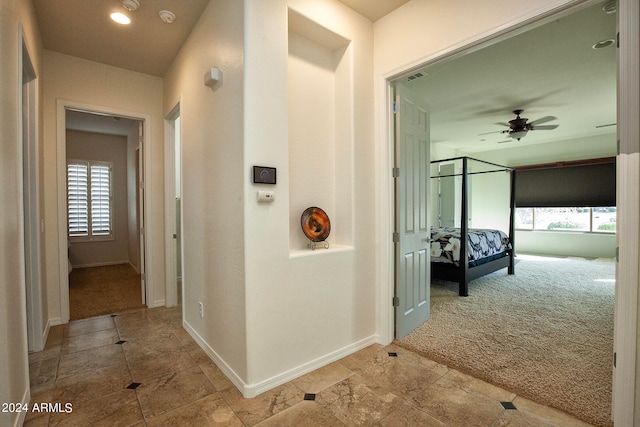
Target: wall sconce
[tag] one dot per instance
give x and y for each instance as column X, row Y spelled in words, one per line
column 212, row 76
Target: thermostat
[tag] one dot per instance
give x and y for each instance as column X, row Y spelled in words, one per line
column 264, row 175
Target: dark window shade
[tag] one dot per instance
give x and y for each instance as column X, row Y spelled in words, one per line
column 569, row 186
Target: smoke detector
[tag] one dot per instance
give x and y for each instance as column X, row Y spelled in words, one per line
column 131, row 5
column 167, row 16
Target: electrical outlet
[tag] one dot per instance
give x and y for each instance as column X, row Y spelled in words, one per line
column 201, row 309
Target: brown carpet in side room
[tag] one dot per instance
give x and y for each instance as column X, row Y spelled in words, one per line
column 96, row 291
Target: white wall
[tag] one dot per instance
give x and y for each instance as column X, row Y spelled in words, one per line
column 531, row 154
column 14, row 367
column 318, row 304
column 213, row 176
column 261, row 292
column 90, row 83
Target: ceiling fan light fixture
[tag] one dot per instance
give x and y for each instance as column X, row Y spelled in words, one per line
column 518, row 134
column 120, row 18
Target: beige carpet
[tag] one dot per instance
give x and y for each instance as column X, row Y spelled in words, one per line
column 109, row 289
column 545, row 333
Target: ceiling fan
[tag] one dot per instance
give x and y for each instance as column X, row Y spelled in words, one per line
column 519, row 127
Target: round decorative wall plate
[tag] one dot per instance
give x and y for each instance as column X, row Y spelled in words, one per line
column 315, row 224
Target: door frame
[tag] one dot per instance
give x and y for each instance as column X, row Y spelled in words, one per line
column 61, row 156
column 36, row 333
column 171, row 286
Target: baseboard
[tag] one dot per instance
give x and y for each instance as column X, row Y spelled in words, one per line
column 135, row 267
column 45, row 333
column 156, row 303
column 26, row 397
column 100, row 264
column 54, row 322
column 252, row 390
column 215, row 357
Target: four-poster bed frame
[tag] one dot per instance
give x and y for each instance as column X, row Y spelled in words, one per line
column 464, row 273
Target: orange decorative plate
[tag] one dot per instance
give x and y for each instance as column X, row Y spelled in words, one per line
column 315, row 224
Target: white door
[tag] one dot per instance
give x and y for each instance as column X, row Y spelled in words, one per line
column 412, row 182
column 173, row 208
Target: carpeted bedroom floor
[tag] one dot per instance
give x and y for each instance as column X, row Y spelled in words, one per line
column 95, row 291
column 545, row 333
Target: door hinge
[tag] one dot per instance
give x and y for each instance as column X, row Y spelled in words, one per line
column 395, row 107
column 615, row 356
column 395, row 172
column 396, row 302
column 396, row 237
column 143, row 276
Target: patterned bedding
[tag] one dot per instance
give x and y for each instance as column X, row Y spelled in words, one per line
column 483, row 244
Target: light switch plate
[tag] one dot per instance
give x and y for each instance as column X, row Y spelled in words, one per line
column 265, row 196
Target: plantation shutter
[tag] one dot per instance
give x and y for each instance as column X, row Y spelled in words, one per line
column 77, row 196
column 100, row 200
column 89, row 199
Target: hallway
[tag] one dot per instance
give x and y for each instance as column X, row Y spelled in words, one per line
column 142, row 368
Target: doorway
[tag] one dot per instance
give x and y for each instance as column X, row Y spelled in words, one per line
column 173, row 207
column 84, row 131
column 104, row 213
column 628, row 325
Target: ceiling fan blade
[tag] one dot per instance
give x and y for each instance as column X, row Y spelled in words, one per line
column 546, row 127
column 503, row 124
column 488, row 133
column 542, row 120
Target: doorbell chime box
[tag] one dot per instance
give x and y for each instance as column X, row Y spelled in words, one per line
column 264, row 175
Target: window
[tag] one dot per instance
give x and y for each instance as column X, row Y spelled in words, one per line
column 586, row 219
column 89, row 200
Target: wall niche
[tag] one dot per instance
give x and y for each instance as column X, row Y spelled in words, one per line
column 320, row 85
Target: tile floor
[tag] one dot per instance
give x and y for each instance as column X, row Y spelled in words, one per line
column 142, row 368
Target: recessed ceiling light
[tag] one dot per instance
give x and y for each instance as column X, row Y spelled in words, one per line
column 120, row 18
column 610, row 8
column 603, row 43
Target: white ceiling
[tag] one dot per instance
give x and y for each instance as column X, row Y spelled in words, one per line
column 82, row 28
column 548, row 71
column 374, row 9
column 551, row 70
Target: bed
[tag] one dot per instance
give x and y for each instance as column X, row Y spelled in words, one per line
column 464, row 254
